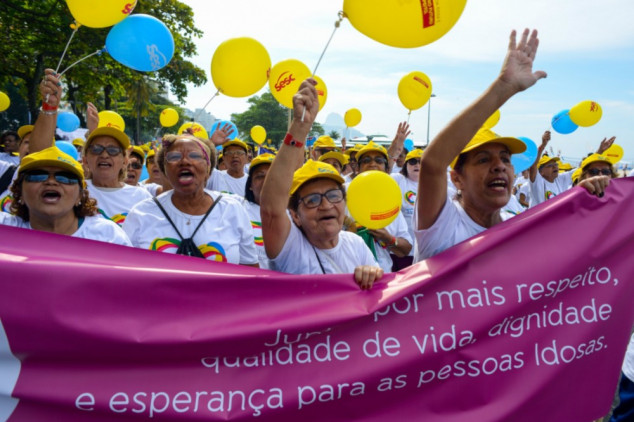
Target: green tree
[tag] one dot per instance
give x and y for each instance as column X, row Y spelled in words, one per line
column 36, row 31
column 334, row 134
column 270, row 114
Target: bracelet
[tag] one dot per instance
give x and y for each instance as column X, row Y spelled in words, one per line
column 48, row 107
column 288, row 140
column 48, row 112
column 393, row 243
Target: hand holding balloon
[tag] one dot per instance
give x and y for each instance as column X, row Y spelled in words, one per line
column 51, row 88
column 306, row 103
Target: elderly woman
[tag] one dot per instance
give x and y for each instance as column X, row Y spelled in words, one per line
column 136, row 159
column 311, row 241
column 481, row 161
column 258, row 169
column 395, row 238
column 335, row 159
column 190, row 220
column 50, row 195
column 104, row 155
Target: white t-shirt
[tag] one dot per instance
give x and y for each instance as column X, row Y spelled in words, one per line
column 10, row 158
column 298, row 256
column 397, row 228
column 628, row 363
column 150, row 187
column 116, row 203
column 6, row 198
column 396, row 169
column 253, row 211
column 452, row 226
column 542, row 189
column 225, row 236
column 513, row 206
column 409, row 190
column 222, row 181
column 93, row 227
column 347, row 178
column 524, row 189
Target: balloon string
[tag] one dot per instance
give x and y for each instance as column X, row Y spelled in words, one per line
column 409, row 114
column 205, row 106
column 337, row 24
column 81, row 60
column 66, row 49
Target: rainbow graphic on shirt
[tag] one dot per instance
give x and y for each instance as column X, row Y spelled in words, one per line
column 165, row 245
column 5, row 203
column 117, row 218
column 213, row 251
column 257, row 228
column 410, row 197
column 549, row 194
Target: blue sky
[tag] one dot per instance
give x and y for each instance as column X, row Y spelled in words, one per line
column 586, row 47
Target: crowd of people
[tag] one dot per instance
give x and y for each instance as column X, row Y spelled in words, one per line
column 287, row 211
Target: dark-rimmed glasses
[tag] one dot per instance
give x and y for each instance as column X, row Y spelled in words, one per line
column 596, row 172
column 313, row 200
column 377, row 159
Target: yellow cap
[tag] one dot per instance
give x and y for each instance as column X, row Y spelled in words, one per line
column 594, row 158
column 112, row 132
column 237, row 142
column 53, row 157
column 546, row 159
column 486, row 136
column 415, row 153
column 138, row 151
column 261, row 159
column 79, row 142
column 324, row 141
column 343, row 159
column 25, row 130
column 151, row 153
column 314, row 170
column 371, row 146
column 565, row 166
column 575, row 175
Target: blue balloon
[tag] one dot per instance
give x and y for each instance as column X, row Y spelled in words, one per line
column 67, row 121
column 526, row 159
column 220, row 123
column 561, row 123
column 310, row 141
column 141, row 42
column 68, row 148
column 144, row 174
column 408, row 144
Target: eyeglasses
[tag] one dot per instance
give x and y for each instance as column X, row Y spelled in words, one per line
column 150, row 160
column 176, row 156
column 413, row 161
column 98, row 149
column 313, row 200
column 323, row 151
column 39, row 176
column 135, row 165
column 596, row 172
column 238, row 153
column 368, row 160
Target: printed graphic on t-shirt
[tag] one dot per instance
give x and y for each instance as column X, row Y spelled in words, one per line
column 211, row 251
column 549, row 194
column 257, row 229
column 117, row 218
column 5, row 203
column 410, row 197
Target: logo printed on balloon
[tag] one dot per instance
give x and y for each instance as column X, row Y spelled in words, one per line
column 155, row 60
column 416, row 78
column 429, row 14
column 281, row 84
column 128, row 8
column 383, row 215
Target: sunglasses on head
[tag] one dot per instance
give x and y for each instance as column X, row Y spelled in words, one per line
column 368, row 160
column 596, row 172
column 313, row 200
column 413, row 161
column 39, row 176
column 98, row 149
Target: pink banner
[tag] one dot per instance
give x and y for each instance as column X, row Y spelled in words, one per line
column 527, row 322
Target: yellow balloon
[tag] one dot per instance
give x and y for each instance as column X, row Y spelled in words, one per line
column 197, row 129
column 322, row 91
column 374, row 199
column 5, row 102
column 586, row 113
column 614, row 153
column 240, row 67
column 109, row 118
column 258, row 134
column 352, row 117
column 168, row 117
column 286, row 77
column 414, row 90
column 100, row 14
column 403, row 23
column 492, row 120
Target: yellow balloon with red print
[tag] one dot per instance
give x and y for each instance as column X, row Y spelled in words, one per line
column 286, row 77
column 195, row 129
column 374, row 199
column 586, row 113
column 108, row 118
column 322, row 91
column 100, row 14
column 414, row 90
column 168, row 117
column 403, row 23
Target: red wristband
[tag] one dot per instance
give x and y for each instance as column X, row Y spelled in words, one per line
column 47, row 107
column 288, row 140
